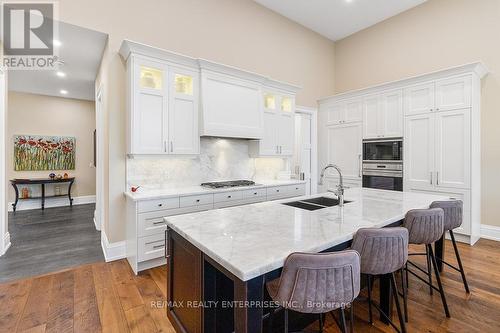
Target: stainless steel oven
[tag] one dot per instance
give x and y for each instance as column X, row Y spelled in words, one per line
column 383, row 150
column 383, row 164
column 384, row 176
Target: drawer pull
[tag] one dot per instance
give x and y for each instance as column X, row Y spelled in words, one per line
column 160, row 205
column 158, row 222
column 158, row 246
column 254, row 193
column 229, row 196
column 296, row 188
column 277, row 190
column 197, row 200
column 153, row 242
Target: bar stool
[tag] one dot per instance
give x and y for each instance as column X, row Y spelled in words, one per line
column 453, row 218
column 383, row 252
column 317, row 283
column 425, row 227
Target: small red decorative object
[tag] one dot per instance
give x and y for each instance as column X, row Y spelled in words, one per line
column 134, row 188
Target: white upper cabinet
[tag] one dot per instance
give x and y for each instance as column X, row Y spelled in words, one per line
column 344, row 149
column 348, row 111
column 383, row 115
column 279, row 126
column 231, row 106
column 454, row 93
column 453, row 148
column 183, row 106
column 419, row 99
column 149, row 107
column 442, row 95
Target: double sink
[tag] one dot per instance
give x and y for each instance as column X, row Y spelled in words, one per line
column 315, row 203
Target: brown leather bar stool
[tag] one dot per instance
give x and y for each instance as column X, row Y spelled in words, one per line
column 425, row 227
column 453, row 217
column 383, row 251
column 317, row 283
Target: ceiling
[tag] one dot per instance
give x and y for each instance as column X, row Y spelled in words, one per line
column 81, row 50
column 336, row 19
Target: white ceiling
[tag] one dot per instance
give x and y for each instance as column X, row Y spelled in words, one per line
column 336, row 19
column 81, row 50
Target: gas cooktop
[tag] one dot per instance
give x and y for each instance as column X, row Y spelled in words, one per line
column 231, row 183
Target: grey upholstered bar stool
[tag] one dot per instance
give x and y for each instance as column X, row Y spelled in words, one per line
column 383, row 251
column 425, row 227
column 453, row 217
column 317, row 283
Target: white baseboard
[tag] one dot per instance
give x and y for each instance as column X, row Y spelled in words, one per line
column 27, row 204
column 490, row 232
column 6, row 243
column 112, row 251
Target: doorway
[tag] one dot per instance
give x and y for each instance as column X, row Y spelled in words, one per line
column 304, row 162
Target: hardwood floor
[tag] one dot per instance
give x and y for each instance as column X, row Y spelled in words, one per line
column 50, row 240
column 107, row 297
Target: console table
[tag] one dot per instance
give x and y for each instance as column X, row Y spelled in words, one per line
column 42, row 182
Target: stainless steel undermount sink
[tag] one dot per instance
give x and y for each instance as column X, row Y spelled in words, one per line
column 315, row 203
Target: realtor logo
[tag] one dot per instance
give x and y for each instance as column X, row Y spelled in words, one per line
column 28, row 35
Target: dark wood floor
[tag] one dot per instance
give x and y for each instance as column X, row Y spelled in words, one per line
column 49, row 240
column 108, row 297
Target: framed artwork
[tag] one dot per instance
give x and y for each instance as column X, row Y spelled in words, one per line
column 38, row 153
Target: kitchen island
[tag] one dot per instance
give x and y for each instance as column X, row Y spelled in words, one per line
column 220, row 260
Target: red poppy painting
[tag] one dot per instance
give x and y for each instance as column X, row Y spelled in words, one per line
column 36, row 153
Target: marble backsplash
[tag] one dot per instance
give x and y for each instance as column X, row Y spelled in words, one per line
column 219, row 159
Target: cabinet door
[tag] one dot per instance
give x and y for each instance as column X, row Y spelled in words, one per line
column 453, row 146
column 454, row 93
column 335, row 113
column 419, row 99
column 353, row 111
column 371, row 117
column 391, row 114
column 419, row 151
column 268, row 145
column 344, row 149
column 150, row 108
column 286, row 133
column 183, row 115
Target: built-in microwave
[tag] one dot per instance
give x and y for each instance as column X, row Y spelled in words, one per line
column 383, row 150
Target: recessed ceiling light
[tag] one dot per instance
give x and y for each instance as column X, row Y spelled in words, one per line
column 61, row 74
column 63, row 92
column 56, row 42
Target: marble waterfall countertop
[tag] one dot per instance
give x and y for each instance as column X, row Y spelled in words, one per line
column 175, row 191
column 252, row 240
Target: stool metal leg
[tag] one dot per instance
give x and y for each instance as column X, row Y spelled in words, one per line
column 343, row 326
column 321, row 323
column 405, row 293
column 398, row 306
column 429, row 269
column 438, row 278
column 370, row 314
column 351, row 318
column 457, row 254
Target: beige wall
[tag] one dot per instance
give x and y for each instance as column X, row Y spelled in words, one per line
column 235, row 32
column 432, row 36
column 45, row 115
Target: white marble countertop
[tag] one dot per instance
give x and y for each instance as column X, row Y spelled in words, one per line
column 160, row 193
column 252, row 240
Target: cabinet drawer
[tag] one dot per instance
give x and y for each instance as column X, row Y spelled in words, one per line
column 277, row 192
column 159, row 204
column 228, row 196
column 258, row 192
column 197, row 200
column 151, row 223
column 151, row 247
column 296, row 190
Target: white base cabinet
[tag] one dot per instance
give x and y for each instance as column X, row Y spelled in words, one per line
column 146, row 227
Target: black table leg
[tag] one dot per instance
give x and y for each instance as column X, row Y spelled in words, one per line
column 439, row 252
column 385, row 297
column 43, row 196
column 69, row 193
column 248, row 314
column 14, row 205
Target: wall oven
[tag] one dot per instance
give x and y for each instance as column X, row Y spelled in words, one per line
column 383, row 164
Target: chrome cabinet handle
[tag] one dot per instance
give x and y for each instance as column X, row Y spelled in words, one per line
column 165, row 146
column 437, row 177
column 153, row 242
column 359, row 165
column 431, row 177
column 158, row 246
column 166, row 247
column 229, row 196
column 158, row 222
column 171, row 146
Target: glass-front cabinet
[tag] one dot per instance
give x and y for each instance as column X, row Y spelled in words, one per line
column 279, row 125
column 163, row 108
